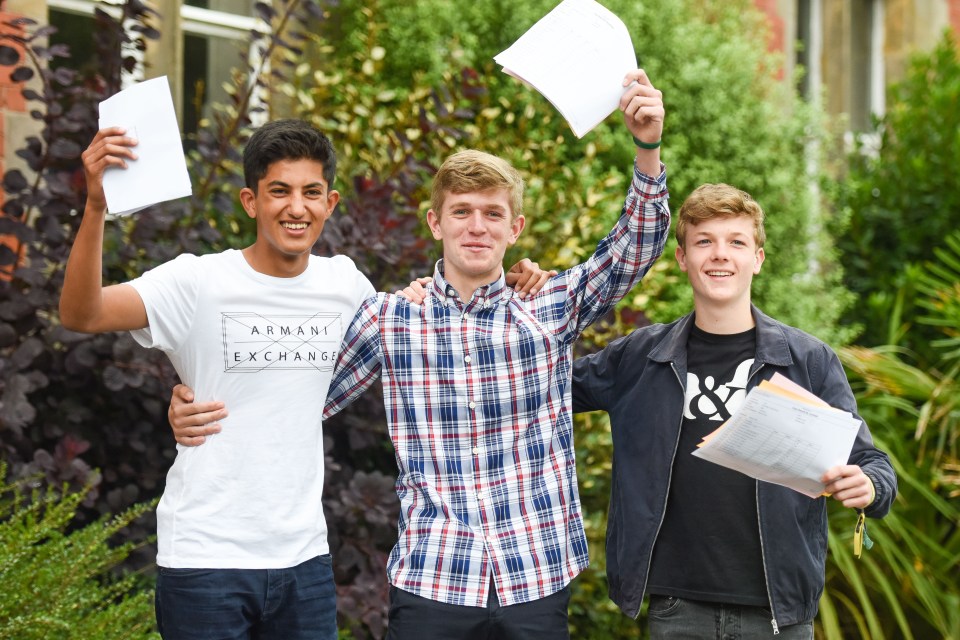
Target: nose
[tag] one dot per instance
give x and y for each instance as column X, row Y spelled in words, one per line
column 298, row 204
column 719, row 251
column 475, row 223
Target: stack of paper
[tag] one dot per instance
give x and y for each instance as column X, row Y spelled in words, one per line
column 783, row 434
column 576, row 56
column 159, row 173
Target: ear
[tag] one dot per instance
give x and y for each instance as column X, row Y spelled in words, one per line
column 333, row 197
column 516, row 227
column 759, row 261
column 249, row 201
column 433, row 221
column 681, row 258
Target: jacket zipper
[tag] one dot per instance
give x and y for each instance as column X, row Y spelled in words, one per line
column 763, row 551
column 763, row 561
column 663, row 512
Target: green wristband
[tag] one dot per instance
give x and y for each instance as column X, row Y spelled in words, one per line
column 646, row 145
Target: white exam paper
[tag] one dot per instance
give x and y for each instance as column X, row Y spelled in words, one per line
column 781, row 440
column 159, row 173
column 576, row 56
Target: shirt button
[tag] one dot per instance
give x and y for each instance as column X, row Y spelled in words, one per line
column 472, row 405
column 467, row 359
column 486, row 304
column 477, row 451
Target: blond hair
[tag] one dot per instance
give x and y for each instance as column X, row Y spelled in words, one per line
column 711, row 201
column 473, row 171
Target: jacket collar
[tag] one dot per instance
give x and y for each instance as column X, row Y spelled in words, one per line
column 772, row 347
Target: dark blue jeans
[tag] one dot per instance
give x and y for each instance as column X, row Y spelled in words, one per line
column 678, row 619
column 415, row 618
column 299, row 603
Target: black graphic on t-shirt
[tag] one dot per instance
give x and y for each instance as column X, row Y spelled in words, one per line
column 254, row 341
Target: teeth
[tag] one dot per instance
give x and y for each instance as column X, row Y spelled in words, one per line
column 295, row 225
column 719, row 273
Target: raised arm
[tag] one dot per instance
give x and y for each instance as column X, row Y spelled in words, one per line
column 85, row 304
column 637, row 240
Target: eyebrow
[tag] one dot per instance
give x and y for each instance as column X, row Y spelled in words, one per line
column 467, row 205
column 281, row 183
column 707, row 234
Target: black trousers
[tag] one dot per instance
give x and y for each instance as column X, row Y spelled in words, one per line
column 415, row 618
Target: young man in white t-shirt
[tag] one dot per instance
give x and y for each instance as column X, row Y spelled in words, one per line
column 242, row 540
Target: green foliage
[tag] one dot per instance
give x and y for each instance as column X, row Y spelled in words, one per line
column 939, row 286
column 903, row 206
column 902, row 199
column 729, row 119
column 57, row 582
column 906, row 585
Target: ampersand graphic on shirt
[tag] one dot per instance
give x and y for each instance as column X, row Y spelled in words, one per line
column 709, row 398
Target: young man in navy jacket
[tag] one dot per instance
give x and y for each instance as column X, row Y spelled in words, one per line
column 721, row 555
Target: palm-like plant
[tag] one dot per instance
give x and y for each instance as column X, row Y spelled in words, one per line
column 913, row 409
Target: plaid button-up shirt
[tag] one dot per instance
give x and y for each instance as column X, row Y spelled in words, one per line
column 477, row 395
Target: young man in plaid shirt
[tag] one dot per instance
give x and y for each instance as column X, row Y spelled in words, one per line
column 477, row 391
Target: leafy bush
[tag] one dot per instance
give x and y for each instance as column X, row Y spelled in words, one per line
column 72, row 402
column 911, row 406
column 898, row 201
column 898, row 206
column 59, row 583
column 729, row 119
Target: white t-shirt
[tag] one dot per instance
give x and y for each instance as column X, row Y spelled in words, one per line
column 249, row 497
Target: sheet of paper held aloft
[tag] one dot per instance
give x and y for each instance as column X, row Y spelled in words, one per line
column 576, row 56
column 783, row 434
column 159, row 173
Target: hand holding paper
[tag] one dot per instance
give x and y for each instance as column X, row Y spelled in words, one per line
column 849, row 485
column 642, row 107
column 158, row 171
column 111, row 147
column 576, row 56
column 785, row 435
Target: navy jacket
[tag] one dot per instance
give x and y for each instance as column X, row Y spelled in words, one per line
column 639, row 380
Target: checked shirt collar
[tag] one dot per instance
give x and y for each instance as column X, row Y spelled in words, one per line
column 484, row 297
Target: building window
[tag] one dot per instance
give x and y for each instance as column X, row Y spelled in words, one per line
column 809, row 49
column 840, row 47
column 213, row 34
column 866, row 63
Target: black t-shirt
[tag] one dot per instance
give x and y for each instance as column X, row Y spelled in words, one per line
column 709, row 545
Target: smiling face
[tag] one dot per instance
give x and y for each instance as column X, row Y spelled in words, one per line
column 720, row 257
column 476, row 228
column 291, row 203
